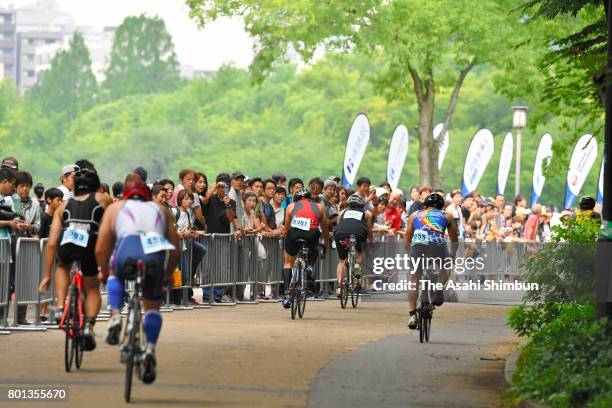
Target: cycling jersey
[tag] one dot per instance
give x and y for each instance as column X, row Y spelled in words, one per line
column 80, row 224
column 140, row 228
column 353, row 222
column 429, row 226
column 305, row 215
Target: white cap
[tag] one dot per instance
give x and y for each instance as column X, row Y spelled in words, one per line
column 69, row 168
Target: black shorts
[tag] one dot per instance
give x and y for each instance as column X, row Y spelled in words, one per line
column 69, row 253
column 311, row 238
column 342, row 244
column 433, row 256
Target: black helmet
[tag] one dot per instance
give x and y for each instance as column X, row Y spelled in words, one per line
column 355, row 201
column 587, row 203
column 86, row 181
column 434, row 200
column 300, row 194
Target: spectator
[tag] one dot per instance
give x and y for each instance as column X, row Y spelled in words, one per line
column 187, row 179
column 454, row 209
column 295, row 184
column 235, row 193
column 267, row 198
column 329, row 192
column 104, row 188
column 386, row 186
column 53, row 199
column 7, row 188
column 519, row 201
column 279, row 211
column 28, row 209
column 117, row 191
column 67, row 180
column 160, row 195
column 315, row 186
column 220, row 210
column 201, row 195
column 499, row 203
column 418, row 204
column 85, row 164
column 250, row 222
column 466, row 207
column 414, row 196
column 142, row 173
column 11, row 163
column 393, row 216
column 363, row 190
column 168, row 185
column 531, row 226
column 280, row 179
column 39, row 192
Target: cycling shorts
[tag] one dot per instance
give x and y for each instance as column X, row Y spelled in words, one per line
column 342, row 244
column 311, row 238
column 432, row 256
column 129, row 250
column 69, row 253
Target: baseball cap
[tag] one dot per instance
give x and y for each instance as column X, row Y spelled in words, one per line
column 69, row 168
column 238, row 174
column 329, row 183
column 10, row 162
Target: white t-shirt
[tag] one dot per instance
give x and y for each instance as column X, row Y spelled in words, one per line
column 67, row 193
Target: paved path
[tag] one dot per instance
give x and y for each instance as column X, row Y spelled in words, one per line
column 255, row 355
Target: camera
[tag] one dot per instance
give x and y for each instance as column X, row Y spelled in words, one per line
column 7, row 213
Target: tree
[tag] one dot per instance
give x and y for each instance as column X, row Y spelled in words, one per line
column 424, row 46
column 69, row 87
column 142, row 59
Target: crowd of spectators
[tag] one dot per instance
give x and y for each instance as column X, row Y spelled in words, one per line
column 241, row 205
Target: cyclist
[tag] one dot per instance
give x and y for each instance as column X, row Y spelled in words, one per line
column 425, row 239
column 586, row 208
column 73, row 236
column 133, row 229
column 354, row 220
column 305, row 219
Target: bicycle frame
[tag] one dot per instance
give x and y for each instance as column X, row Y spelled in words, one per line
column 76, row 281
column 131, row 346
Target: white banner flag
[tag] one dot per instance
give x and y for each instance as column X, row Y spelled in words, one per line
column 543, row 157
column 443, row 144
column 355, row 148
column 505, row 160
column 600, row 186
column 397, row 155
column 582, row 160
column 476, row 160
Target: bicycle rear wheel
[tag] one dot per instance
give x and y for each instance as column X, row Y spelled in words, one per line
column 301, row 301
column 354, row 297
column 428, row 328
column 71, row 331
column 77, row 323
column 422, row 325
column 294, row 301
column 344, row 289
column 131, row 355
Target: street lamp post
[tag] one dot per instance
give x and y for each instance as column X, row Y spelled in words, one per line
column 519, row 121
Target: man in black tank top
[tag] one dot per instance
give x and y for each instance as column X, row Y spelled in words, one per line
column 355, row 220
column 73, row 236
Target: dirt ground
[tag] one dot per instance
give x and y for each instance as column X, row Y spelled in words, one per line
column 247, row 355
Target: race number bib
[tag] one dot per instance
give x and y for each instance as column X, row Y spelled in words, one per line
column 301, row 223
column 420, row 237
column 75, row 235
column 153, row 242
column 355, row 215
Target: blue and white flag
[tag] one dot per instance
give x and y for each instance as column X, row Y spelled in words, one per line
column 443, row 144
column 476, row 160
column 397, row 155
column 600, row 186
column 355, row 148
column 543, row 157
column 582, row 160
column 505, row 160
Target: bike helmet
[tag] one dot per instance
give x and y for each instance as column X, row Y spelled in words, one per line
column 355, row 201
column 136, row 191
column 86, row 181
column 434, row 200
column 587, row 203
column 300, row 194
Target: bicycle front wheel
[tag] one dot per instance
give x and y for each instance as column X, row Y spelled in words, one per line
column 301, row 303
column 422, row 325
column 354, row 298
column 131, row 355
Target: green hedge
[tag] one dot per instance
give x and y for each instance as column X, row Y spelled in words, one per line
column 568, row 360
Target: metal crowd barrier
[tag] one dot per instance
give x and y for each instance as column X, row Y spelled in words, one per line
column 28, row 266
column 5, row 259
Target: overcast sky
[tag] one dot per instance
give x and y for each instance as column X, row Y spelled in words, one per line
column 221, row 42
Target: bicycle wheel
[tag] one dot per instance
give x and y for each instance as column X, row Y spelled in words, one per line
column 344, row 289
column 76, row 323
column 68, row 345
column 354, row 296
column 301, row 302
column 294, row 294
column 131, row 355
column 428, row 328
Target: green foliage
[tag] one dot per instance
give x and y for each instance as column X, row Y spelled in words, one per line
column 565, row 267
column 568, row 361
column 69, row 88
column 142, row 59
column 528, row 320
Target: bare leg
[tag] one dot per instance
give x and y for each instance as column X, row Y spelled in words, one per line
column 412, row 293
column 61, row 278
column 92, row 303
column 340, row 271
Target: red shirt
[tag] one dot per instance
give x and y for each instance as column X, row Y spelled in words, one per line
column 393, row 216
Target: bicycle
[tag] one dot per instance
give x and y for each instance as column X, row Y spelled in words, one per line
column 297, row 288
column 348, row 285
column 72, row 322
column 132, row 345
column 425, row 305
